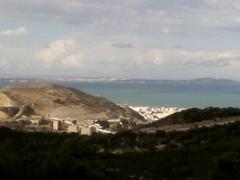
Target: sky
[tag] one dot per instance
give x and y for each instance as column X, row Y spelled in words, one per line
column 150, row 39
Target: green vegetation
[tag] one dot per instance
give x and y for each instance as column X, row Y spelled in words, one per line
column 208, row 153
column 196, row 115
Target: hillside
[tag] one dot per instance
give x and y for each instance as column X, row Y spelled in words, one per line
column 190, row 118
column 55, row 101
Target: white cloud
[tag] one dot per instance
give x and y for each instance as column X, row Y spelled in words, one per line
column 56, row 51
column 207, row 59
column 103, row 59
column 174, row 17
column 3, row 62
column 223, row 4
column 16, row 60
column 124, row 36
column 66, row 54
column 72, row 61
column 15, row 32
column 166, row 30
column 122, row 45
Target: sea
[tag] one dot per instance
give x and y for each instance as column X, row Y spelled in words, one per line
column 155, row 94
column 161, row 93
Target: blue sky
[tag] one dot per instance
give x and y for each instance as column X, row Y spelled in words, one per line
column 175, row 39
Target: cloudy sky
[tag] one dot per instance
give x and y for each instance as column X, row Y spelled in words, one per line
column 174, row 39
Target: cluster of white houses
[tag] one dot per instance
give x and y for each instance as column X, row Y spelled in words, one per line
column 156, row 113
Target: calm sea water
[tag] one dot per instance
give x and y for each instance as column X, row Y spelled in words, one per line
column 155, row 94
column 160, row 94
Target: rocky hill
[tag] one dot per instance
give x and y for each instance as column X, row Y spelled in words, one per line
column 55, row 101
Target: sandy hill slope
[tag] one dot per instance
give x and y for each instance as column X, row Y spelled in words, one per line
column 62, row 102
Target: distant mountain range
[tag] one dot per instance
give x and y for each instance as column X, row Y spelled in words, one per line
column 115, row 80
column 191, row 81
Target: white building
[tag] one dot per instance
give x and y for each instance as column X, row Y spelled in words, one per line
column 74, row 129
column 36, row 120
column 88, row 130
column 57, row 125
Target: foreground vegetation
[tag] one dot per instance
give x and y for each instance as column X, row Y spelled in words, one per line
column 209, row 153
